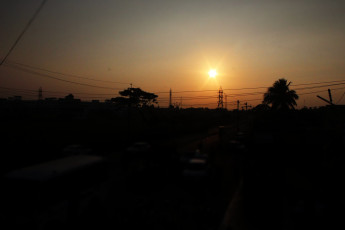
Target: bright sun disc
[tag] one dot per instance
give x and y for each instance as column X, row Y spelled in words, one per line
column 212, row 73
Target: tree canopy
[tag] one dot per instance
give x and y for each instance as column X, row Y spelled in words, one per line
column 135, row 97
column 280, row 96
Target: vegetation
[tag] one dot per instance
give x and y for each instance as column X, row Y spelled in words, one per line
column 135, row 97
column 280, row 96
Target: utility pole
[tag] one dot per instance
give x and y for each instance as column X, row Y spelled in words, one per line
column 220, row 99
column 325, row 100
column 40, row 96
column 170, row 100
column 330, row 98
column 246, row 106
column 330, row 95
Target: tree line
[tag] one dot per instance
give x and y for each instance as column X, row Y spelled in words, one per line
column 277, row 97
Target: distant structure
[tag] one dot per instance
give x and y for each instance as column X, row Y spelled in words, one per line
column 50, row 99
column 40, row 94
column 246, row 106
column 15, row 98
column 220, row 99
column 170, row 100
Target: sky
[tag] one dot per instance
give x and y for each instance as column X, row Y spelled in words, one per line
column 94, row 49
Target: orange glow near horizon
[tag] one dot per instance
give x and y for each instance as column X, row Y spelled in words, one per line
column 158, row 47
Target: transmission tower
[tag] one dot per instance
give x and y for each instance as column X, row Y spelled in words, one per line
column 220, row 98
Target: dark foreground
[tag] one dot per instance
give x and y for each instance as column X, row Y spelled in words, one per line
column 279, row 171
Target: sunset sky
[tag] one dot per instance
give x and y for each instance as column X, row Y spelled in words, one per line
column 93, row 49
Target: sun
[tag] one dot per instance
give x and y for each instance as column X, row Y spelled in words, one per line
column 212, row 73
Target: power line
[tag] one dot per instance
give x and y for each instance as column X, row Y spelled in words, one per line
column 313, row 87
column 192, row 97
column 201, row 97
column 320, row 91
column 96, row 95
column 160, row 99
column 16, row 89
column 341, row 98
column 24, row 30
column 64, row 74
column 316, row 83
column 258, row 93
column 215, row 103
column 187, row 91
column 58, row 92
column 188, row 99
column 23, row 92
column 260, row 87
column 232, row 103
column 59, row 79
column 304, row 88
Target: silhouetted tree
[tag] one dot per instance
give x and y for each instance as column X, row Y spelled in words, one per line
column 280, row 96
column 135, row 97
column 69, row 97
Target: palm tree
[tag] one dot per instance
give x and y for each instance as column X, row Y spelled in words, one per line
column 280, row 96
